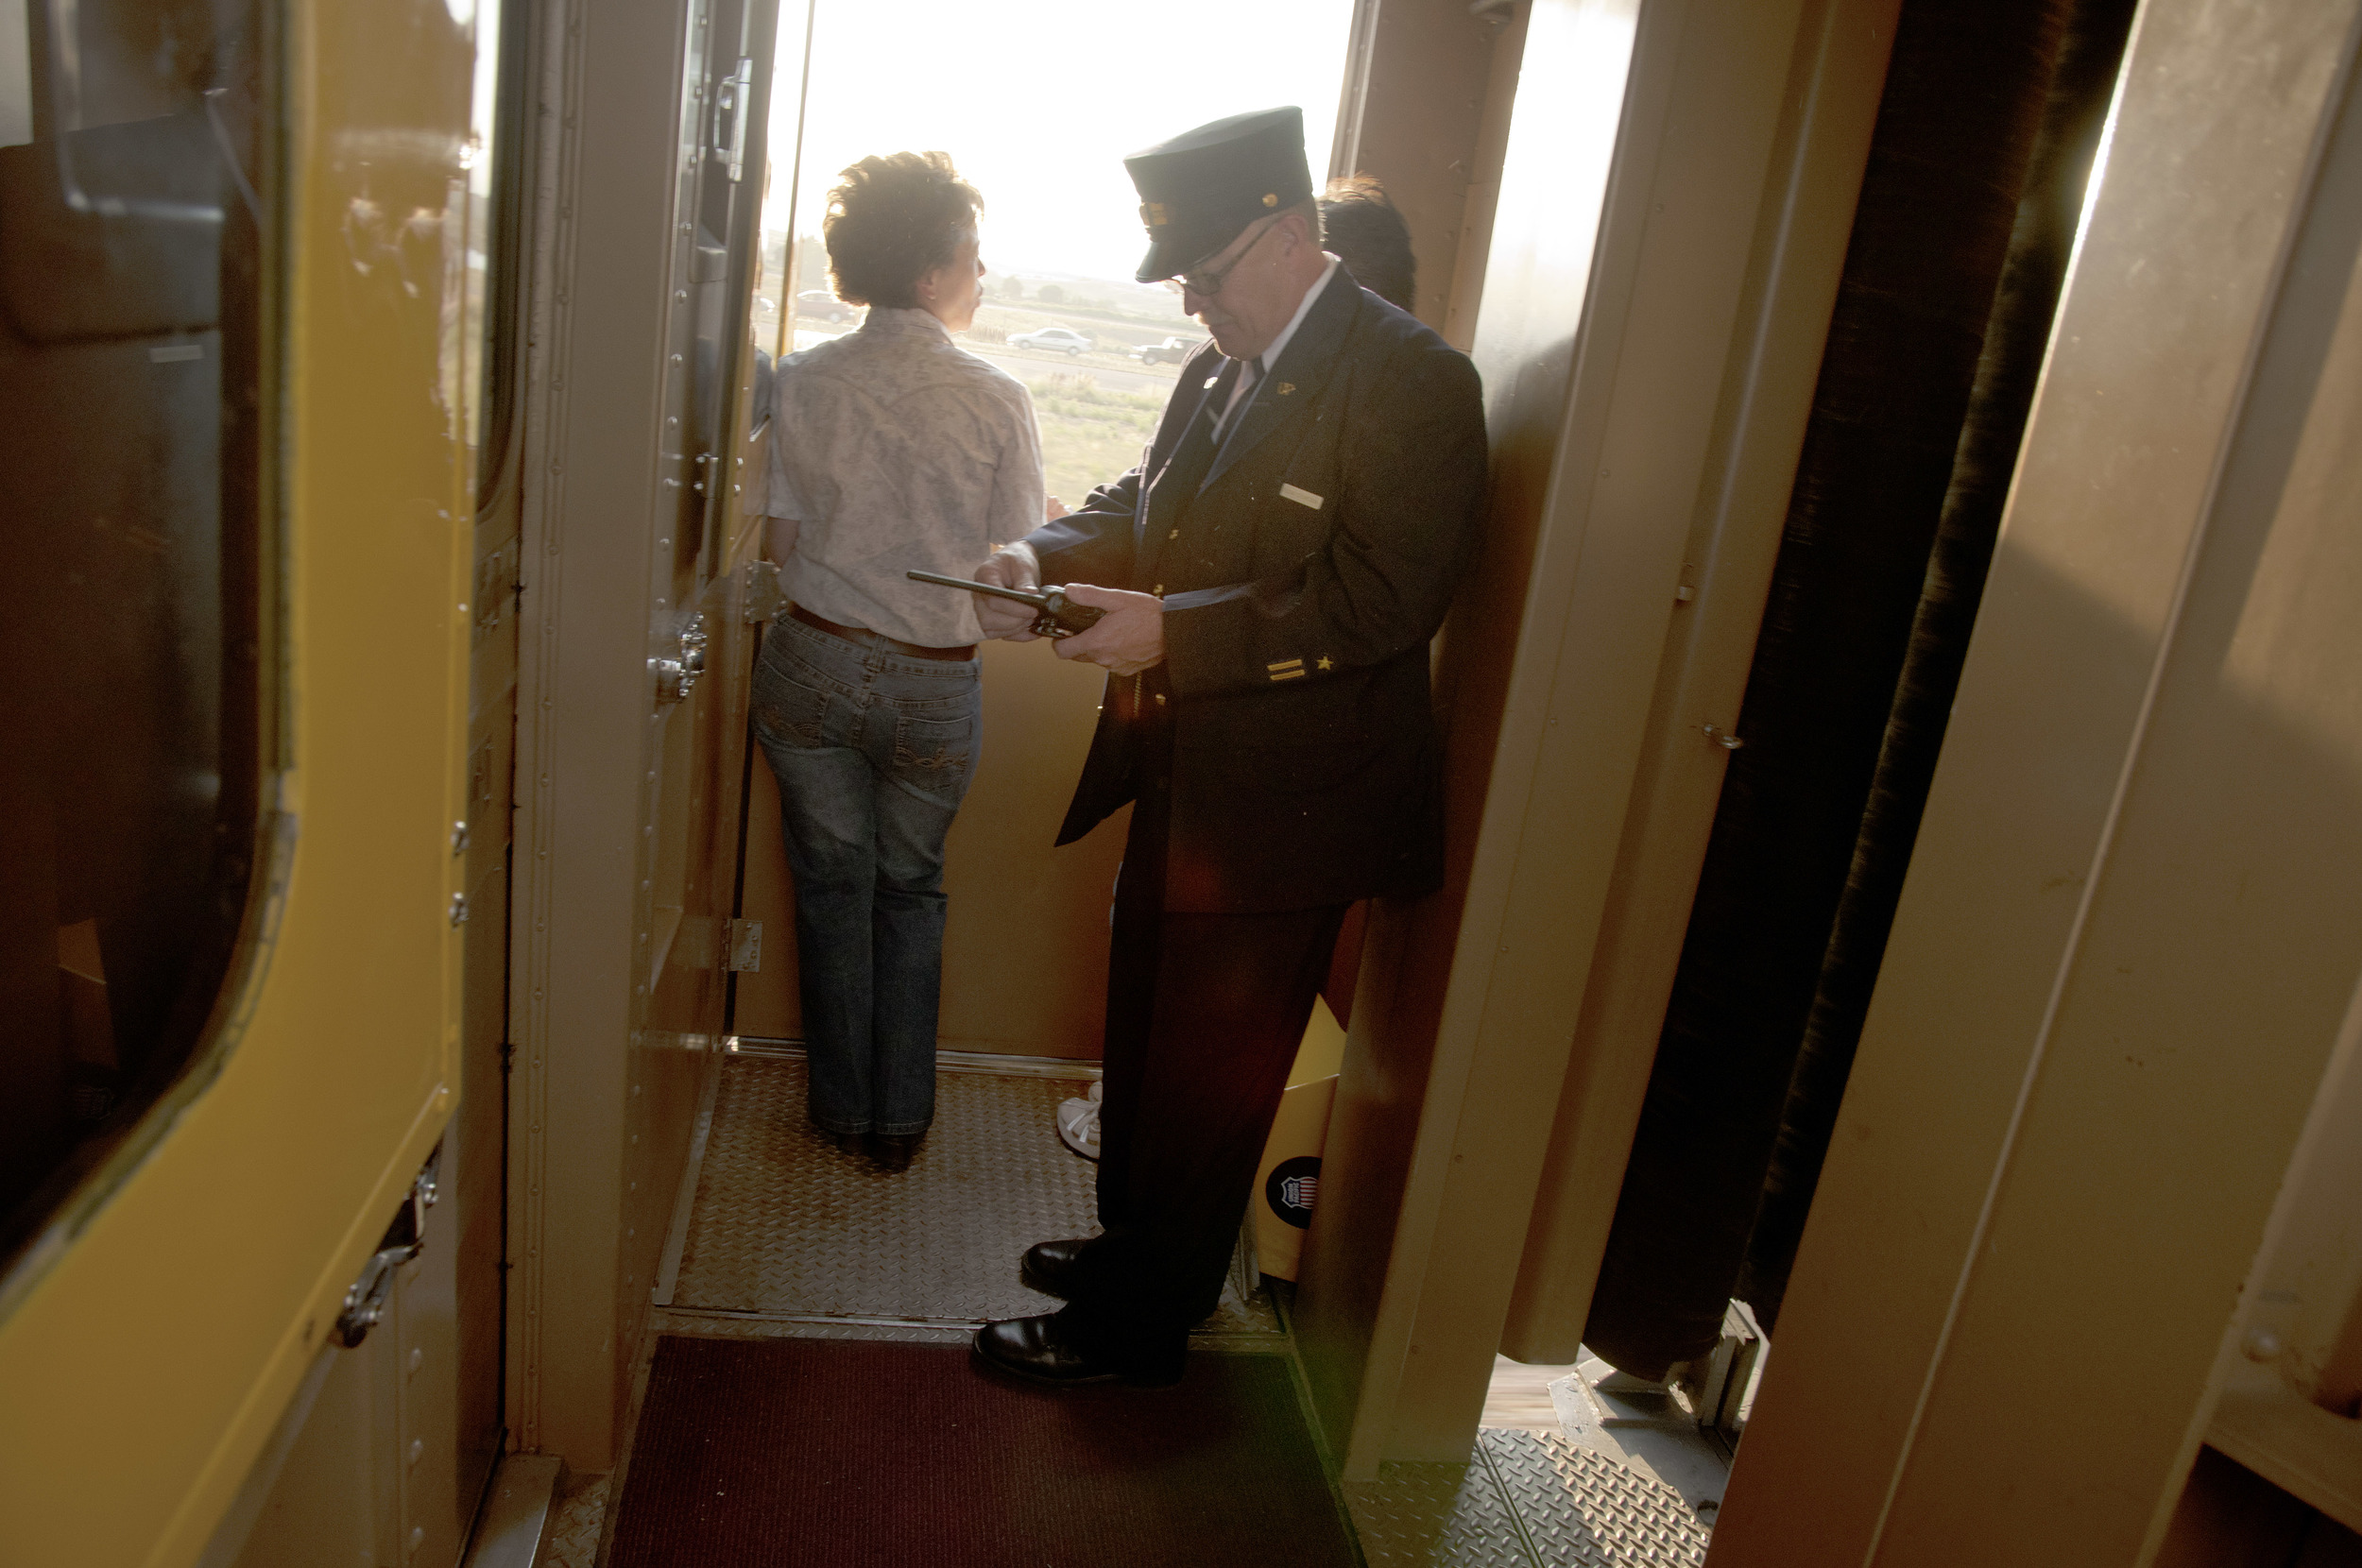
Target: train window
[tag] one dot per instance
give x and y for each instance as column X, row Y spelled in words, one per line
column 1062, row 313
column 134, row 187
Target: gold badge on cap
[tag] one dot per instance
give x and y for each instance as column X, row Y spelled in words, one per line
column 1155, row 214
column 1271, row 198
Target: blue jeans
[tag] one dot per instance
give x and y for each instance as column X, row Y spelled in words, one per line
column 872, row 752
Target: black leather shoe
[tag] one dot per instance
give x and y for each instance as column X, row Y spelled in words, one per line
column 894, row 1151
column 1054, row 1268
column 1037, row 1351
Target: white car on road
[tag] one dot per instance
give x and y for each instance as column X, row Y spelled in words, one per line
column 820, row 302
column 1061, row 340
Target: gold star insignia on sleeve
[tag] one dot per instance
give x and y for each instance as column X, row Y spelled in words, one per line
column 1327, row 663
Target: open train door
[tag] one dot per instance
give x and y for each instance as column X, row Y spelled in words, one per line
column 709, row 586
column 642, row 466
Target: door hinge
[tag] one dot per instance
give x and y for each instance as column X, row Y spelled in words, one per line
column 745, row 946
column 761, row 598
column 731, row 98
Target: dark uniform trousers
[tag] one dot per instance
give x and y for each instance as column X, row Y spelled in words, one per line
column 1205, row 1013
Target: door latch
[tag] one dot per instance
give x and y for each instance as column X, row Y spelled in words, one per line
column 731, row 97
column 676, row 677
column 366, row 1298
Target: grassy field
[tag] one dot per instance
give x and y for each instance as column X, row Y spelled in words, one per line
column 1089, row 435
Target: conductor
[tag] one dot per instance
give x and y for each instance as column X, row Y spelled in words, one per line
column 1272, row 575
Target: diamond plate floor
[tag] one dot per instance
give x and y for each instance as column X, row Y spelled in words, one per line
column 1524, row 1500
column 785, row 1225
column 574, row 1536
column 1442, row 1515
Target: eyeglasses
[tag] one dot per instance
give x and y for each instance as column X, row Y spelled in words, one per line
column 1208, row 282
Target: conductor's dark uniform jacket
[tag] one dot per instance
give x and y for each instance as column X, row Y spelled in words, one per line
column 1286, row 749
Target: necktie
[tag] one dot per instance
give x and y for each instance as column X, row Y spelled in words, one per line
column 1250, row 377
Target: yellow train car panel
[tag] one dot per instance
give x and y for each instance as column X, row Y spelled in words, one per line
column 150, row 1345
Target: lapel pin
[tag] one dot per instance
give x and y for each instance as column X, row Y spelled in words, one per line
column 1286, row 387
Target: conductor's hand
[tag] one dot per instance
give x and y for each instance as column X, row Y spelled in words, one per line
column 1006, row 618
column 1129, row 638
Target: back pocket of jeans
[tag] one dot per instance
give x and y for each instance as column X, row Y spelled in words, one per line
column 787, row 711
column 934, row 746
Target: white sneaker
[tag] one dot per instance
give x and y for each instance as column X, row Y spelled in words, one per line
column 1078, row 1124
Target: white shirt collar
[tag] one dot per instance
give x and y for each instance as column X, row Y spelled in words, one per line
column 1247, row 384
column 1304, row 308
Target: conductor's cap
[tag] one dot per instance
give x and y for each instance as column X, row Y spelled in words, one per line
column 1199, row 190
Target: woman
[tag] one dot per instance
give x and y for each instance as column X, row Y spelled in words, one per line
column 892, row 448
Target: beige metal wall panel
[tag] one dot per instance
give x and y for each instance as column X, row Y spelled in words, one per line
column 1803, row 197
column 1025, row 944
column 1474, row 242
column 1608, row 374
column 2128, row 936
column 583, row 730
column 1423, row 72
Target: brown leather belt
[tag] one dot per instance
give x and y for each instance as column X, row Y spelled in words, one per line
column 865, row 638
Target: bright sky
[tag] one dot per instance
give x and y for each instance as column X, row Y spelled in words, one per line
column 1039, row 102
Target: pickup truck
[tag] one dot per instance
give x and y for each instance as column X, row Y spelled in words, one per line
column 1173, row 351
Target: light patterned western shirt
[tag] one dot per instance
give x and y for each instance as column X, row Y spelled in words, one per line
column 895, row 448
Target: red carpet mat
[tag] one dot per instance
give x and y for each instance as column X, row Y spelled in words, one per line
column 870, row 1454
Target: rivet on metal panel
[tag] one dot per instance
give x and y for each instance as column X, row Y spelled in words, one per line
column 458, row 838
column 458, row 909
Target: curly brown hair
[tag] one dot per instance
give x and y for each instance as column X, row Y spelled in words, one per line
column 893, row 220
column 1362, row 226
